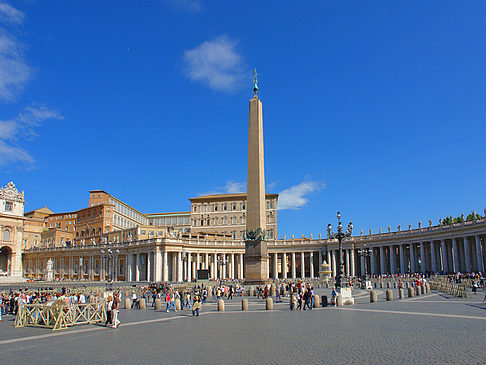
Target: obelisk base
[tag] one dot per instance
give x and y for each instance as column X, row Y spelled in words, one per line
column 256, row 263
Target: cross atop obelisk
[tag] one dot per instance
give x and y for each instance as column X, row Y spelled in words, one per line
column 256, row 257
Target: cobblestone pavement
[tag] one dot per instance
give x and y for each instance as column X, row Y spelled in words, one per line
column 431, row 328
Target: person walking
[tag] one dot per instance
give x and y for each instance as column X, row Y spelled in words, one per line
column 196, row 306
column 115, row 310
column 109, row 308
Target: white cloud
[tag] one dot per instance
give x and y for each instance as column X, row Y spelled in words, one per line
column 216, row 64
column 294, row 197
column 186, row 6
column 14, row 70
column 22, row 127
column 9, row 14
column 271, row 185
column 231, row 187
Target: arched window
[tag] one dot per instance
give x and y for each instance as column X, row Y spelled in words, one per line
column 215, row 207
column 6, row 235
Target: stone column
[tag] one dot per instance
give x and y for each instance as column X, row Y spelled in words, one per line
column 311, row 259
column 232, row 266
column 423, row 262
column 189, row 267
column 403, row 266
column 275, row 267
column 137, row 267
column 198, row 262
column 174, row 266
column 351, row 262
column 382, row 260
column 130, row 267
column 479, row 254
column 433, row 260
column 294, row 274
column 284, row 265
column 362, row 266
column 150, row 266
column 467, row 255
column 215, row 266
column 165, row 267
column 455, row 250
column 302, row 265
column 412, row 258
column 333, row 263
column 393, row 259
column 346, row 260
column 373, row 260
column 225, row 264
column 241, row 266
column 443, row 255
column 179, row 266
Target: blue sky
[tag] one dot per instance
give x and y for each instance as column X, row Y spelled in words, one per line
column 373, row 108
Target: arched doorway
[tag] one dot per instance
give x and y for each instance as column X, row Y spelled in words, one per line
column 5, row 256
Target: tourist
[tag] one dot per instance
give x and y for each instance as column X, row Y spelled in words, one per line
column 333, row 296
column 109, row 307
column 134, row 299
column 170, row 302
column 196, row 305
column 116, row 310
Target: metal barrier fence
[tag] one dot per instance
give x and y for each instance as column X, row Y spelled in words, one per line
column 458, row 290
column 58, row 315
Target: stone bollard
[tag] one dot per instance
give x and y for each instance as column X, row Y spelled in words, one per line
column 388, row 285
column 273, row 291
column 269, row 304
column 158, row 304
column 423, row 290
column 417, row 290
column 317, row 301
column 292, row 302
column 339, row 301
column 389, row 294
column 178, row 304
column 376, row 285
column 400, row 293
column 381, row 285
column 394, row 285
column 220, row 305
column 324, row 301
column 373, row 296
column 128, row 303
column 244, row 304
column 143, row 304
column 428, row 288
column 411, row 292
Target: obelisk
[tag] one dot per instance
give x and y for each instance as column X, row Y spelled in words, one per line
column 256, row 255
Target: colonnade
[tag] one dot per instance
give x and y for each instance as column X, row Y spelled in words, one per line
column 180, row 266
column 454, row 254
column 293, row 265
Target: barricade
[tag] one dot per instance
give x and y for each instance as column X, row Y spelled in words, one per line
column 269, row 304
column 142, row 304
column 128, row 303
column 244, row 304
column 178, row 304
column 400, row 293
column 158, row 304
column 389, row 295
column 59, row 315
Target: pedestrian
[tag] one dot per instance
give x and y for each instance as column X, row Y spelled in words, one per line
column 109, row 307
column 134, row 299
column 196, row 305
column 333, row 296
column 115, row 310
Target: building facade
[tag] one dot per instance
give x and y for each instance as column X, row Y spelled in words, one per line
column 457, row 247
column 12, row 218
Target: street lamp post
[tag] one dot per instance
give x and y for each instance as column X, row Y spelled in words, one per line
column 339, row 236
column 110, row 256
column 364, row 253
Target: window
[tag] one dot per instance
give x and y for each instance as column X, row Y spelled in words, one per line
column 6, row 235
column 215, row 207
column 195, row 208
column 224, row 207
column 233, row 206
column 143, row 231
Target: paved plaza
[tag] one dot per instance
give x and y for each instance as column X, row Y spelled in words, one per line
column 432, row 328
